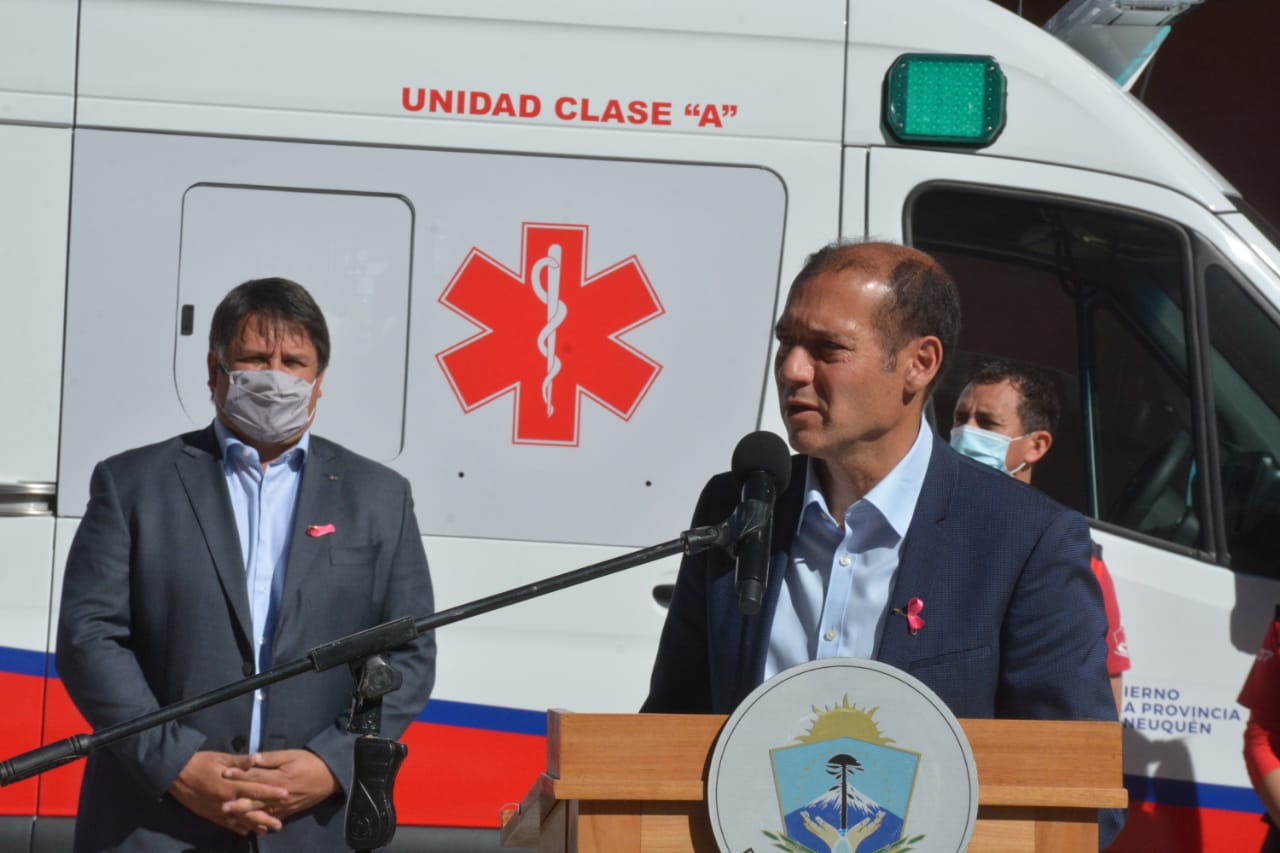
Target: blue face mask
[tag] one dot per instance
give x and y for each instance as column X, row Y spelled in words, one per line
column 989, row 448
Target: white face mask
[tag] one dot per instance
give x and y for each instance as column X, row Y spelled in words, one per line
column 985, row 446
column 269, row 406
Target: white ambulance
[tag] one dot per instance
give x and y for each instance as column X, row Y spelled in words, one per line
column 551, row 238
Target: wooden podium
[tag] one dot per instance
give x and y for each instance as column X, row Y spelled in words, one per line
column 618, row 783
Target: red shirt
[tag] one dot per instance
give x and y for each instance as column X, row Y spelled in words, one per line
column 1261, row 695
column 1117, row 646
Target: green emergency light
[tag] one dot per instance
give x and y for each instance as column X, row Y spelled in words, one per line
column 952, row 99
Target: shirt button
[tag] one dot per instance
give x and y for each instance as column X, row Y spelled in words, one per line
column 844, row 559
column 829, row 636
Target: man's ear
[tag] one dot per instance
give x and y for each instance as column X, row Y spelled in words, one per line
column 924, row 359
column 1040, row 440
column 212, row 362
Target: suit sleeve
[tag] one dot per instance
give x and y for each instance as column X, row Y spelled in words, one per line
column 94, row 655
column 409, row 594
column 681, row 679
column 1055, row 640
column 1054, row 665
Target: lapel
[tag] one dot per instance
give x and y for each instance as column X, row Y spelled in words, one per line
column 321, row 477
column 923, row 549
column 201, row 473
column 786, row 516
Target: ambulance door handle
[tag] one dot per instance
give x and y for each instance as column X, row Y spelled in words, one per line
column 26, row 497
column 662, row 594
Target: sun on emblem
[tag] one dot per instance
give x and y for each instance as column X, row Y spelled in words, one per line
column 843, row 787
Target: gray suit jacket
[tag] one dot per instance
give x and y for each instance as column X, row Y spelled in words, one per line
column 155, row 610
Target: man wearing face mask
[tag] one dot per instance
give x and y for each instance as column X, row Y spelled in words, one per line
column 1005, row 418
column 220, row 553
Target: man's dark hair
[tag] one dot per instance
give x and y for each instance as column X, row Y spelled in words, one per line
column 1039, row 405
column 279, row 304
column 922, row 298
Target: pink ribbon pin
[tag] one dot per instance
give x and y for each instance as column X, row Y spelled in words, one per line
column 914, row 622
column 317, row 530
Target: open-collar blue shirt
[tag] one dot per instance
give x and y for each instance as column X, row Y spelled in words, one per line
column 835, row 595
column 264, row 504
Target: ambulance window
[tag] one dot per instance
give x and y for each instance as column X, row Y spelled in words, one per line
column 1244, row 361
column 1094, row 296
column 353, row 253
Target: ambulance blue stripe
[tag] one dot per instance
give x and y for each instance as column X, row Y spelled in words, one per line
column 1172, row 792
column 440, row 711
column 519, row 721
column 491, row 717
column 23, row 662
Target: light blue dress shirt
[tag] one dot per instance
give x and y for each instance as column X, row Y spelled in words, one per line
column 265, row 505
column 835, row 595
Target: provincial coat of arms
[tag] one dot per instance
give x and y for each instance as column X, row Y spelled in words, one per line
column 843, row 787
column 842, row 756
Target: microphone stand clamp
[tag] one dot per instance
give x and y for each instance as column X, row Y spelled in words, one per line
column 371, row 812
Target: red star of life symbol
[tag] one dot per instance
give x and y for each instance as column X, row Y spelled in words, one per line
column 550, row 334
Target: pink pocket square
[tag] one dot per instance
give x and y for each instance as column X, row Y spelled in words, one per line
column 317, row 530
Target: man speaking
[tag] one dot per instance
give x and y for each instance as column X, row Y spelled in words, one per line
column 889, row 545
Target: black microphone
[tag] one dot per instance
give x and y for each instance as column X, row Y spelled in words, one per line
column 762, row 468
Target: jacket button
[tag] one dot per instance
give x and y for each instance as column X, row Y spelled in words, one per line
column 239, row 742
column 247, row 668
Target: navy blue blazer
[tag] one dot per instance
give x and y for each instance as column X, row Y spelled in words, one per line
column 1014, row 623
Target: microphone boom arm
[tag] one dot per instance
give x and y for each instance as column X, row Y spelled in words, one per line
column 352, row 648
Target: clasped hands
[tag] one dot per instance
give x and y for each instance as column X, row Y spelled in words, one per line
column 253, row 793
column 831, row 836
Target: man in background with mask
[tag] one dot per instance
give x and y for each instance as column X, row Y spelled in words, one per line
column 220, row 553
column 1005, row 418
